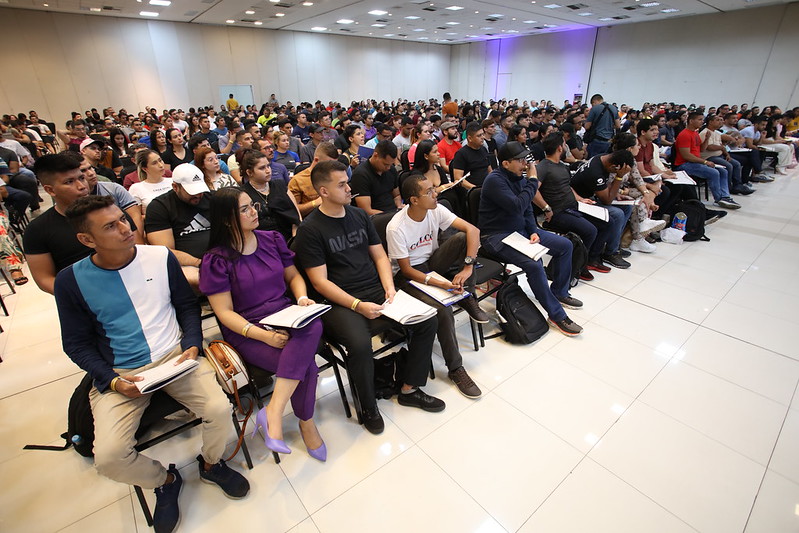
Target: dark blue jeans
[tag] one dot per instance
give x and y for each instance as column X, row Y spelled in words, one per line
column 560, row 248
column 598, row 147
column 572, row 220
column 716, row 178
column 734, row 169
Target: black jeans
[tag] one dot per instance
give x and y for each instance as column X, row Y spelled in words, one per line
column 447, row 260
column 354, row 331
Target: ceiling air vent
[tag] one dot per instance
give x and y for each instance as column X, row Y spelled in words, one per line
column 248, row 20
column 576, row 7
column 190, row 13
column 630, row 8
column 284, row 4
column 621, row 17
column 429, row 8
column 402, row 35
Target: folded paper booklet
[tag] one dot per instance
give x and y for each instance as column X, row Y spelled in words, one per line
column 634, row 201
column 738, row 150
column 596, row 211
column 295, row 316
column 163, row 375
column 407, row 310
column 681, row 178
column 522, row 244
column 441, row 295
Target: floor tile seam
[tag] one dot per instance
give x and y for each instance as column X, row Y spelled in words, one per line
column 294, row 490
column 662, row 311
column 9, row 331
column 128, row 496
column 40, row 385
column 748, row 341
column 734, row 383
column 714, row 439
column 714, row 295
column 642, row 493
column 768, row 464
column 455, row 481
column 348, row 489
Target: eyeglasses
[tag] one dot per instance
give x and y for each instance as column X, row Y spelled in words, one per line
column 429, row 192
column 244, row 209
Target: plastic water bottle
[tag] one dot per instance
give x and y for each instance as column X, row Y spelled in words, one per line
column 679, row 221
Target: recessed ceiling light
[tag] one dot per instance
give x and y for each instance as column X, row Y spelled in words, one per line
column 424, row 38
column 605, row 19
column 344, row 21
column 419, row 29
column 651, row 4
column 530, row 21
column 451, row 33
column 513, row 31
column 280, row 14
column 230, row 21
column 148, row 13
column 95, row 9
column 412, row 17
column 553, row 6
column 378, row 25
column 669, row 10
column 250, row 12
column 487, row 28
column 164, row 3
column 388, row 35
column 257, row 22
column 46, row 5
column 318, row 28
column 496, row 15
column 453, row 23
column 454, row 8
column 274, row 1
column 378, row 12
column 586, row 14
column 550, row 25
column 307, row 4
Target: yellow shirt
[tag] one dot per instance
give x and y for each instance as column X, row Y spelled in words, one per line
column 302, row 189
column 232, row 104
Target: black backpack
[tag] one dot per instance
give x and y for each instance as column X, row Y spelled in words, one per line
column 579, row 259
column 80, row 420
column 695, row 225
column 520, row 319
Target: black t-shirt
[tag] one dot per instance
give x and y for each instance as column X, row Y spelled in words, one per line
column 555, row 185
column 492, row 152
column 277, row 211
column 474, row 161
column 173, row 160
column 189, row 224
column 107, row 173
column 343, row 245
column 537, row 151
column 590, row 177
column 50, row 233
column 379, row 187
column 8, row 155
column 575, row 143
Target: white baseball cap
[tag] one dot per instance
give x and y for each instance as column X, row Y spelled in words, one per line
column 190, row 178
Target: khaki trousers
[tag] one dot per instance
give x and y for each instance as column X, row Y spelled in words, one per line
column 117, row 418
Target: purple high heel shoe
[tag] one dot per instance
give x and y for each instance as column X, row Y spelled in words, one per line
column 276, row 445
column 319, row 454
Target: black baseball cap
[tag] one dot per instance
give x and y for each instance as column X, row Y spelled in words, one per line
column 513, row 150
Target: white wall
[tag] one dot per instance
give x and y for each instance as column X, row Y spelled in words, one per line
column 76, row 62
column 749, row 55
column 554, row 66
column 703, row 59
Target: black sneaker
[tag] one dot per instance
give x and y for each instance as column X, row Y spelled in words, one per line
column 742, row 190
column 566, row 326
column 234, row 485
column 615, row 260
column 373, row 421
column 625, row 253
column 713, row 215
column 728, row 203
column 586, row 275
column 465, row 385
column 422, row 400
column 598, row 266
column 167, row 513
column 473, row 310
column 761, row 178
column 570, row 303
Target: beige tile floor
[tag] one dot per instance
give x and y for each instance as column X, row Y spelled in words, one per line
column 674, row 412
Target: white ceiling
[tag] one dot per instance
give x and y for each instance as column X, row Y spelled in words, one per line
column 417, row 20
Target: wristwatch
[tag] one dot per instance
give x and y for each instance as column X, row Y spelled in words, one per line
column 469, row 260
column 547, row 209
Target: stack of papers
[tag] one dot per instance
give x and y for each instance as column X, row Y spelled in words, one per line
column 407, row 310
column 163, row 375
column 443, row 296
column 522, row 244
column 295, row 316
column 595, row 211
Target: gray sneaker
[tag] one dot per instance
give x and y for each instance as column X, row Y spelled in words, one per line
column 728, row 203
column 473, row 310
column 566, row 326
column 570, row 302
column 465, row 385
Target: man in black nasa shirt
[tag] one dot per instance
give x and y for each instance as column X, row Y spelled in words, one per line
column 339, row 249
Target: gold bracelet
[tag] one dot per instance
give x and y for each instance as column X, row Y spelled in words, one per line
column 245, row 329
column 113, row 385
column 355, row 304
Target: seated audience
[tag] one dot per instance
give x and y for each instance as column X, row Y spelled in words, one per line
column 206, row 160
column 300, row 186
column 472, row 159
column 375, row 185
column 276, row 208
column 115, row 324
column 246, row 274
column 178, row 219
column 152, row 183
column 415, row 253
column 506, row 206
column 341, row 253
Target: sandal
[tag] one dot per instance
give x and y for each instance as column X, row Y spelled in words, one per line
column 18, row 280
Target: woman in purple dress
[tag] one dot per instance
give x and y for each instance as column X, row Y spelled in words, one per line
column 245, row 275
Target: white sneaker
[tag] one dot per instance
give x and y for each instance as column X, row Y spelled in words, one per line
column 647, row 226
column 641, row 245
